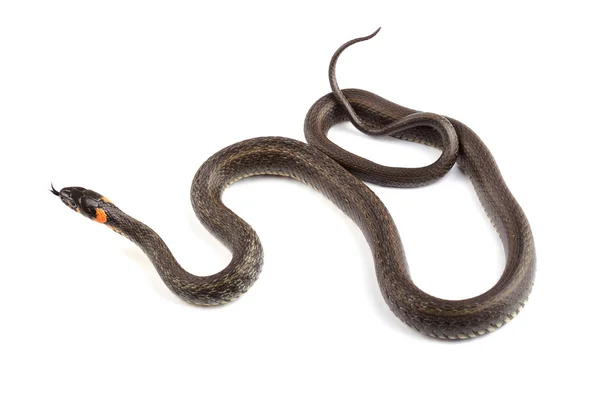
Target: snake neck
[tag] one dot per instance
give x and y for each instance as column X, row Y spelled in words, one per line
column 219, row 288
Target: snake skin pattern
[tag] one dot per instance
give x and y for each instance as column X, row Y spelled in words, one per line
column 334, row 172
column 429, row 315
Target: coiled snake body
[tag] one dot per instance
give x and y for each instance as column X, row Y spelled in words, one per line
column 324, row 166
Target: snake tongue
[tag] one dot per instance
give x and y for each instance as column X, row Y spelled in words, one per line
column 54, row 191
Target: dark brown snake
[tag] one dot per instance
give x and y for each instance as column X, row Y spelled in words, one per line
column 324, row 166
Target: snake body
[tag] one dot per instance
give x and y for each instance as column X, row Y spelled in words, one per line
column 335, row 172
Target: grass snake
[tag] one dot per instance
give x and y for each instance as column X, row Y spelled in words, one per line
column 337, row 174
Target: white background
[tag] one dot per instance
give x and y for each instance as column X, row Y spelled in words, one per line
column 129, row 98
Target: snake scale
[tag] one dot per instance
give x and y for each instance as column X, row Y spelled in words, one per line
column 337, row 174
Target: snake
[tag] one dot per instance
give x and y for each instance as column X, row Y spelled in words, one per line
column 340, row 175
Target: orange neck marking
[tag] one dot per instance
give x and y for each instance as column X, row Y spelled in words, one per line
column 100, row 216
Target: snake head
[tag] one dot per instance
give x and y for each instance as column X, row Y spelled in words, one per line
column 84, row 201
